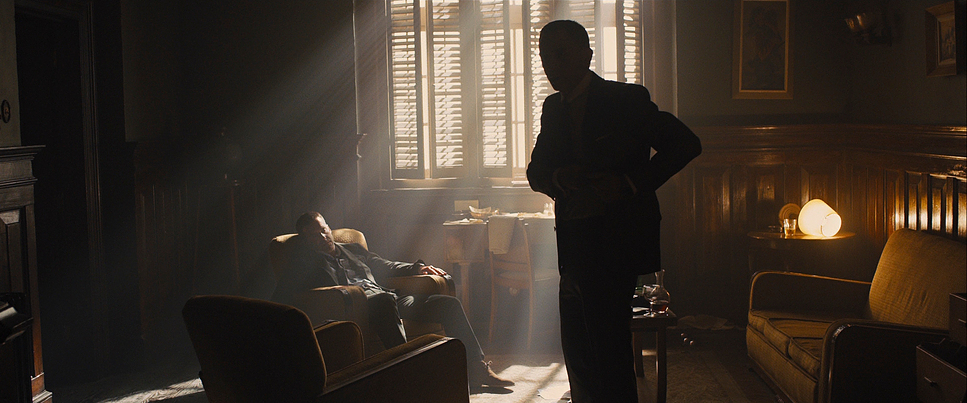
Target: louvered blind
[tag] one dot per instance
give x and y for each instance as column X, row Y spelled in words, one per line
column 405, row 89
column 443, row 72
column 432, row 73
column 630, row 41
column 539, row 14
column 494, row 91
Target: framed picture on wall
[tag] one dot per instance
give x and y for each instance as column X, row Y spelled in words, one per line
column 945, row 39
column 762, row 50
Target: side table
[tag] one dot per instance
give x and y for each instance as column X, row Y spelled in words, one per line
column 659, row 325
column 790, row 248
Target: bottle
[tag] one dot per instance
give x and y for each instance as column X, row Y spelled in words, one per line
column 659, row 297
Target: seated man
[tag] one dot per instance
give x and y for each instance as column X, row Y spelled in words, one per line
column 318, row 261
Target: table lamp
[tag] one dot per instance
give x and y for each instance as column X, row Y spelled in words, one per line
column 818, row 219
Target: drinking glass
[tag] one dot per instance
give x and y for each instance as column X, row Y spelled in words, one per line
column 789, row 227
column 549, row 209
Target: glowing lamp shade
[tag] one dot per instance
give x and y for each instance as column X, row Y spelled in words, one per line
column 818, row 219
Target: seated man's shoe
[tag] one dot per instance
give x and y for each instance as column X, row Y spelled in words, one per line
column 482, row 375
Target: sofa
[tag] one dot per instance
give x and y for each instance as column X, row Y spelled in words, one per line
column 823, row 339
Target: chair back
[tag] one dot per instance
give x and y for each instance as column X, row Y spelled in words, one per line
column 518, row 268
column 254, row 351
column 513, row 268
column 279, row 257
column 349, row 235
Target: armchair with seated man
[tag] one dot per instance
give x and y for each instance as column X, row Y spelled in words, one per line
column 331, row 275
column 252, row 350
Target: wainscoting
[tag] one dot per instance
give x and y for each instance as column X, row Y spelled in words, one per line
column 878, row 178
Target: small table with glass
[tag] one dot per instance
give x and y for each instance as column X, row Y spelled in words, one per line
column 655, row 318
column 642, row 322
column 788, row 246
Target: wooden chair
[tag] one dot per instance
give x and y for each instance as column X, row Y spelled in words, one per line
column 349, row 302
column 517, row 270
column 252, row 350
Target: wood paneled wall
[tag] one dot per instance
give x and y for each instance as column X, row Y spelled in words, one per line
column 18, row 263
column 202, row 231
column 878, row 177
column 164, row 242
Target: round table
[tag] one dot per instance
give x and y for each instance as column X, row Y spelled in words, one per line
column 788, row 246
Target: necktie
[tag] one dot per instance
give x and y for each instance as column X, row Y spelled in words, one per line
column 337, row 265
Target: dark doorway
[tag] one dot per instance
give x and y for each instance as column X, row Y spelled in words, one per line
column 51, row 112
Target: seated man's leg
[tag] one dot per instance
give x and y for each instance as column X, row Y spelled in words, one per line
column 448, row 311
column 384, row 317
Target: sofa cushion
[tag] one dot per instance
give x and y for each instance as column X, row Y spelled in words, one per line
column 807, row 352
column 916, row 273
column 782, row 371
column 798, row 335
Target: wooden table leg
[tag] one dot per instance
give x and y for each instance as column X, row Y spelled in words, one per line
column 661, row 363
column 639, row 346
column 464, row 269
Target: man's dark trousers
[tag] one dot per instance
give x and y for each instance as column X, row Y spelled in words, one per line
column 595, row 303
column 385, row 308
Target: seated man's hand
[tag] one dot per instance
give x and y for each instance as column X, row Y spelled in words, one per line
column 432, row 270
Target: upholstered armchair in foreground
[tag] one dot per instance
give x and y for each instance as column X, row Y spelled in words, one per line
column 823, row 339
column 349, row 302
column 258, row 351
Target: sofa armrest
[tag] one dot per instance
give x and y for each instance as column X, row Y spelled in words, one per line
column 343, row 302
column 785, row 291
column 423, row 284
column 865, row 360
column 401, row 374
column 341, row 344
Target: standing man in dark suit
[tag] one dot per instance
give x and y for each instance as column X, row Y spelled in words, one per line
column 593, row 157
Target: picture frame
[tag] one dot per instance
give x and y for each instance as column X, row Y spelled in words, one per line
column 762, row 50
column 944, row 28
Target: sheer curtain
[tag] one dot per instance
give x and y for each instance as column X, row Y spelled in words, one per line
column 660, row 65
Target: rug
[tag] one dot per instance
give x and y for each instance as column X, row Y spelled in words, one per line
column 704, row 365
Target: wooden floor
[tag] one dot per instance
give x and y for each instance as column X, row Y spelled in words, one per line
column 704, row 366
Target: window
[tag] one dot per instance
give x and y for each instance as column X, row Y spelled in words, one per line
column 466, row 82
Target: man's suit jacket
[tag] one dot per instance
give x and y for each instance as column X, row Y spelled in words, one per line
column 308, row 269
column 620, row 127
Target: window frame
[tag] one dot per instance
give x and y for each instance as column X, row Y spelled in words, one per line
column 474, row 173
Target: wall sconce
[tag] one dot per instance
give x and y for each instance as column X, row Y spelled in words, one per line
column 869, row 28
column 818, row 219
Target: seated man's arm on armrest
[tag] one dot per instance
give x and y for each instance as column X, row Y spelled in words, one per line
column 384, row 268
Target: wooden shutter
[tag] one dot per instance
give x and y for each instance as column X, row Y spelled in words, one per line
column 405, row 89
column 495, row 91
column 446, row 115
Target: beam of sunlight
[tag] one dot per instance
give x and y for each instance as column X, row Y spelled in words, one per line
column 546, row 381
column 174, row 390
